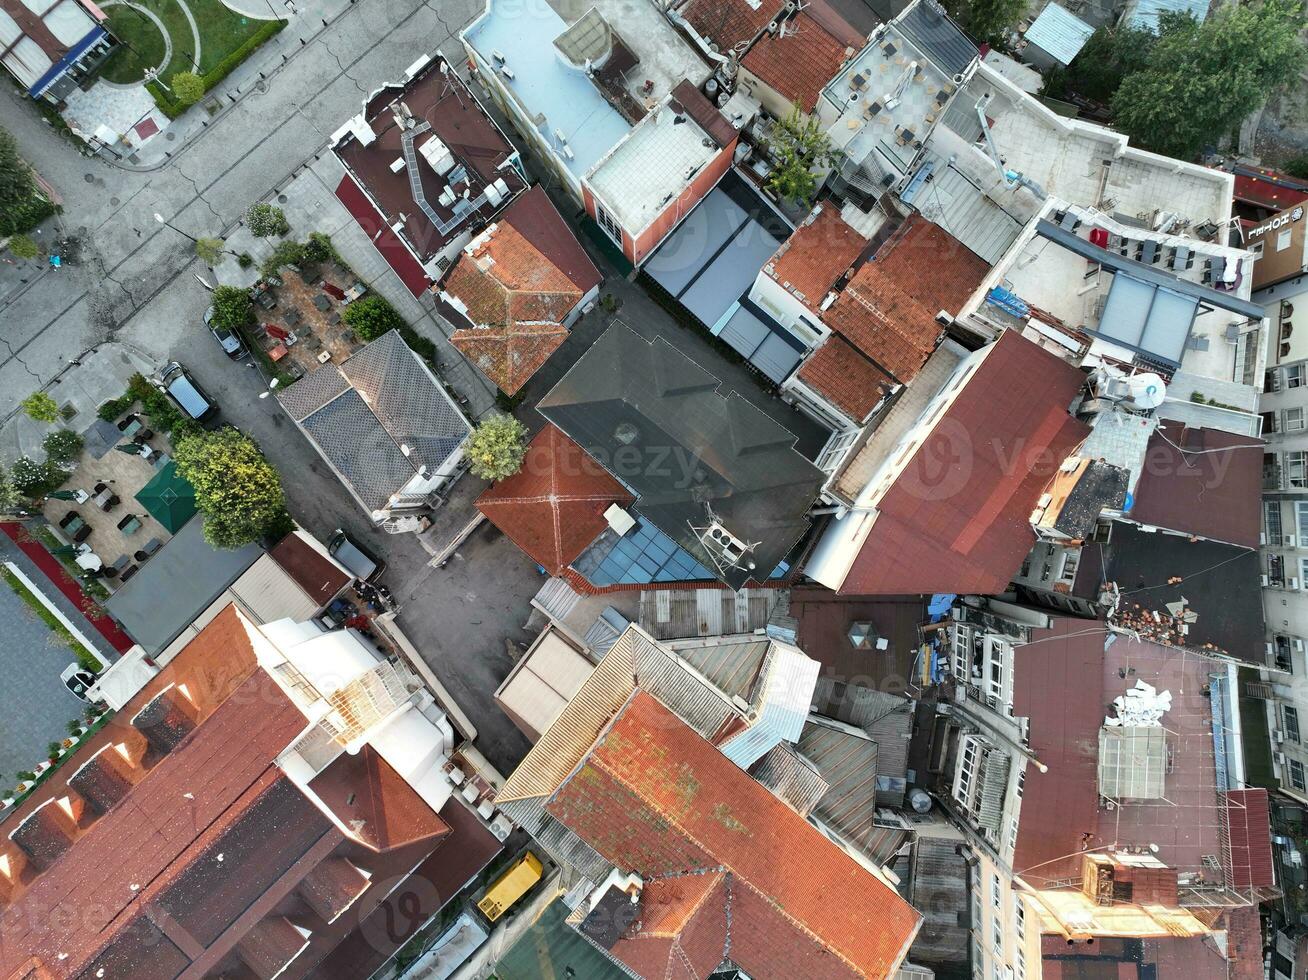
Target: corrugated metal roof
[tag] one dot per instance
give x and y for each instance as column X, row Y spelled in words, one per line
column 1249, row 830
column 791, row 777
column 957, row 205
column 1059, row 32
column 731, row 666
column 1144, row 13
column 674, row 613
column 269, row 592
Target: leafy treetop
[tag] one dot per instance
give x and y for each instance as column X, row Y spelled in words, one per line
column 236, row 488
column 497, row 447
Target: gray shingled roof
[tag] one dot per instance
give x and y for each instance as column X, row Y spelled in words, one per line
column 361, row 412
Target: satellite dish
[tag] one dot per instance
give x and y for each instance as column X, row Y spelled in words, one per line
column 1147, row 390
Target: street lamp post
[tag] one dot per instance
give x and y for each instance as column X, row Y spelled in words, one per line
column 168, row 224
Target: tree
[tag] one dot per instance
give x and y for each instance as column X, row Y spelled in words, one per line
column 232, row 307
column 1203, row 79
column 371, row 316
column 22, row 204
column 497, row 447
column 798, row 147
column 62, row 446
column 1109, row 55
column 986, row 20
column 210, row 250
column 22, row 247
column 33, row 479
column 286, row 253
column 41, row 407
column 267, row 221
column 319, row 247
column 10, row 497
column 188, row 87
column 236, row 488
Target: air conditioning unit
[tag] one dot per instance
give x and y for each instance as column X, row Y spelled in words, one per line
column 1297, row 644
column 1291, row 541
column 1278, row 736
column 1292, row 583
column 1278, row 758
column 1265, row 580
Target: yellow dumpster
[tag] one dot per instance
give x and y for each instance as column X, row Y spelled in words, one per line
column 510, row 886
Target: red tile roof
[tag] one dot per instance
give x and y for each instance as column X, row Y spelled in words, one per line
column 957, row 518
column 1249, row 829
column 538, row 220
column 1188, row 484
column 164, row 901
column 656, row 798
column 798, row 63
column 846, row 378
column 816, row 255
column 730, row 22
column 889, row 308
column 553, row 508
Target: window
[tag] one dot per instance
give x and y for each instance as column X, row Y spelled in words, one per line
column 1291, row 723
column 1296, row 774
column 1283, row 239
column 1272, row 513
column 1300, row 521
column 1303, row 570
column 996, row 892
column 608, row 223
column 1294, row 377
column 997, row 936
column 1296, row 470
column 835, row 450
column 1257, row 249
column 1292, row 419
column 976, row 907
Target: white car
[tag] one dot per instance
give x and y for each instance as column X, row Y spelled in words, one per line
column 78, row 680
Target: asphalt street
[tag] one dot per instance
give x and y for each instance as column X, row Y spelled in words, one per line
column 137, row 284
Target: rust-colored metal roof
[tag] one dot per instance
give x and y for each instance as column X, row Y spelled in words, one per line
column 1110, row 958
column 375, row 802
column 657, row 799
column 1202, row 481
column 957, row 519
column 320, row 577
column 1249, row 830
column 553, row 508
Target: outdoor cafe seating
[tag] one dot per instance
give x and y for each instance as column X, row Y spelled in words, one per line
column 130, row 524
column 76, row 528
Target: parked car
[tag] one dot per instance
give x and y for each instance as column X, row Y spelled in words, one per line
column 186, row 392
column 78, row 680
column 227, row 340
column 359, row 562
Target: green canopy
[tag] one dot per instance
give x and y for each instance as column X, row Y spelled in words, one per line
column 168, row 498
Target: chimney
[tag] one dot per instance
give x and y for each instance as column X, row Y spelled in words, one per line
column 271, row 945
column 166, row 720
column 103, row 779
column 46, row 832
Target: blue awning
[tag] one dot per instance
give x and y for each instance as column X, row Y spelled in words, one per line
column 66, row 62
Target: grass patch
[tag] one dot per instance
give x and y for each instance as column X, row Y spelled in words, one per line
column 227, row 40
column 84, row 656
column 129, row 64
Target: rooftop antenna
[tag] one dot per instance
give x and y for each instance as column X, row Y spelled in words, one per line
column 449, row 85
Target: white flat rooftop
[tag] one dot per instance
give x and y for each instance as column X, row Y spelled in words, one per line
column 1066, row 157
column 651, row 167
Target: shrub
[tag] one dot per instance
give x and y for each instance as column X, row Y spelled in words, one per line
column 162, row 413
column 62, row 445
column 497, row 447
column 209, row 250
column 245, row 260
column 41, row 407
column 10, row 497
column 188, row 87
column 22, row 247
column 113, row 410
column 372, row 316
column 318, row 247
column 36, row 479
column 286, row 253
column 172, row 108
column 267, row 220
column 419, row 344
column 232, row 307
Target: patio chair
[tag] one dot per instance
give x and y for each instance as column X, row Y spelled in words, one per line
column 116, row 569
column 151, row 546
column 82, row 534
column 113, row 501
column 71, row 521
column 130, row 524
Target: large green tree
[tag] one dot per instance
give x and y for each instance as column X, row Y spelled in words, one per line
column 798, row 147
column 497, row 447
column 232, row 307
column 986, row 20
column 22, row 205
column 1203, row 79
column 1110, row 55
column 236, row 488
column 371, row 316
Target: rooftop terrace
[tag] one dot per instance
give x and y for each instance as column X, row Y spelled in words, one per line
column 640, row 58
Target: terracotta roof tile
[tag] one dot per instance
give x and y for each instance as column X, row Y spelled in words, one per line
column 889, row 308
column 816, row 255
column 516, row 300
column 375, row 802
column 731, row 22
column 553, row 508
column 799, row 63
column 539, row 221
column 957, row 519
column 655, row 798
column 846, row 378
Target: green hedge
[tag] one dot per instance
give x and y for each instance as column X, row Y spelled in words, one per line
column 25, row 215
column 172, row 109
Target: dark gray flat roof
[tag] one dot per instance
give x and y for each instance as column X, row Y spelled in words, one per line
column 176, row 585
column 655, row 420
